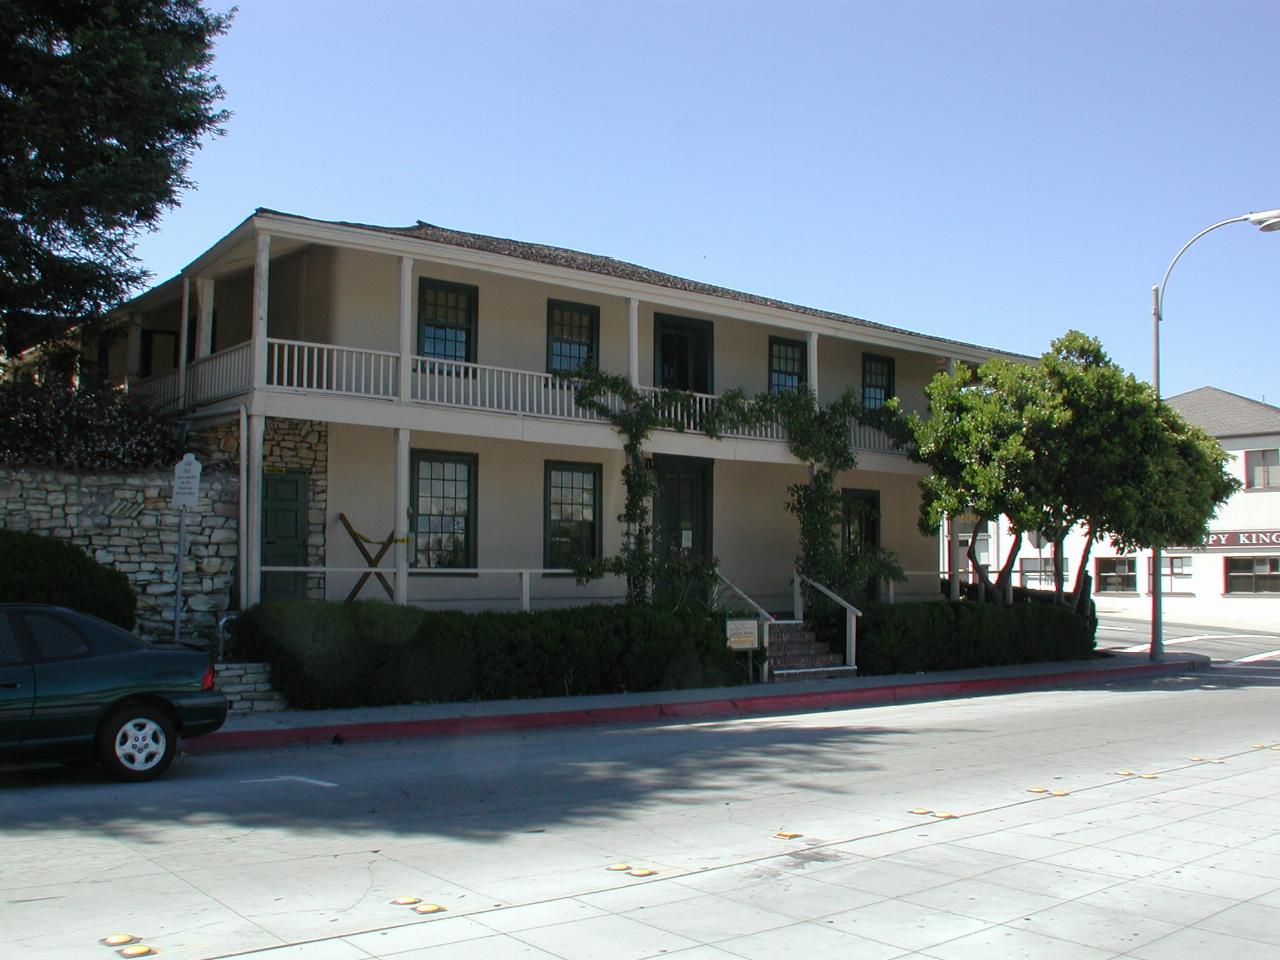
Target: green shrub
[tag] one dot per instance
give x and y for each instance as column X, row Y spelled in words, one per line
column 91, row 428
column 40, row 569
column 923, row 637
column 367, row 653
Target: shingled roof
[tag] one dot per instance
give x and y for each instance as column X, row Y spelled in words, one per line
column 619, row 269
column 1222, row 414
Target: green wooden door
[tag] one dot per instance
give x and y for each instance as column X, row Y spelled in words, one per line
column 682, row 507
column 284, row 533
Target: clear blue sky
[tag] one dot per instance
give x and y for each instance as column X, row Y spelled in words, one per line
column 997, row 172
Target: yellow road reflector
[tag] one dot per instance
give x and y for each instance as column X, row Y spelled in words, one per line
column 1276, row 747
column 1124, row 773
column 945, row 816
column 428, row 908
column 642, row 872
column 1211, row 760
column 1058, row 793
column 921, row 811
column 406, row 901
column 783, row 835
column 118, row 939
column 618, row 866
column 1196, row 759
column 1147, row 776
column 1258, row 746
column 1037, row 789
column 137, row 950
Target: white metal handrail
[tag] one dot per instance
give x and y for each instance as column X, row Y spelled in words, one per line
column 296, row 365
column 219, row 375
column 851, row 613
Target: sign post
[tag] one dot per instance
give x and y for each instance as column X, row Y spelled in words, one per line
column 186, row 491
column 743, row 635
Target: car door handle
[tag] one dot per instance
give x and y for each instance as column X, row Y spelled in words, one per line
column 10, row 684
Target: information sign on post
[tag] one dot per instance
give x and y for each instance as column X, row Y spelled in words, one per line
column 742, row 634
column 186, row 491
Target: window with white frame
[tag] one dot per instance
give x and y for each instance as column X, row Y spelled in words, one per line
column 1261, row 469
column 1037, row 572
column 1175, row 575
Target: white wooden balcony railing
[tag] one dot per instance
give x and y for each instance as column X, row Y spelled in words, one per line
column 159, row 392
column 500, row 389
column 220, row 375
column 354, row 372
column 316, row 367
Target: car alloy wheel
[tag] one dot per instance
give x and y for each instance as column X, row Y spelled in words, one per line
column 137, row 743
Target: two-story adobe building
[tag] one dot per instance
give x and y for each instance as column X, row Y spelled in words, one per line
column 401, row 383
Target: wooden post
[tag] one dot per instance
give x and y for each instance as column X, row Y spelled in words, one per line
column 633, row 340
column 405, row 388
column 204, row 322
column 183, row 324
column 812, row 358
column 261, row 268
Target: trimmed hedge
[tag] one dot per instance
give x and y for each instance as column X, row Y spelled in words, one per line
column 326, row 655
column 40, row 569
column 921, row 637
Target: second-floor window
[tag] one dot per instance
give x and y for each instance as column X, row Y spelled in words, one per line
column 573, row 331
column 447, row 320
column 788, row 364
column 877, row 381
column 1261, row 469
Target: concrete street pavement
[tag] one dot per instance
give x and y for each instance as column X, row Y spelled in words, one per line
column 298, row 853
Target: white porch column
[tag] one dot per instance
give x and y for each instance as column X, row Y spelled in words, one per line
column 182, row 342
column 261, row 268
column 401, row 525
column 811, row 356
column 133, row 352
column 633, row 340
column 253, row 528
column 204, row 322
column 405, row 366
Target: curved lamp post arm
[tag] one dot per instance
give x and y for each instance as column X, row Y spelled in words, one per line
column 1186, row 246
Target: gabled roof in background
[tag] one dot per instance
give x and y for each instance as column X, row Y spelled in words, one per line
column 1222, row 414
column 618, row 269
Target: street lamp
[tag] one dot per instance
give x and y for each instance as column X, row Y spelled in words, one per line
column 1268, row 221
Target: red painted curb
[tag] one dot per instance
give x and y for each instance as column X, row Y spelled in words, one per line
column 772, row 703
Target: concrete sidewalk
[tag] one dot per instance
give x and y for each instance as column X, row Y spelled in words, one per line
column 313, row 727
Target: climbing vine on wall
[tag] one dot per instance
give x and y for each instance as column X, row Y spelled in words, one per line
column 821, row 437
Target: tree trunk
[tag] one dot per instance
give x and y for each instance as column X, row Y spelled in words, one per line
column 984, row 585
column 1057, row 569
column 1080, row 574
column 1004, row 584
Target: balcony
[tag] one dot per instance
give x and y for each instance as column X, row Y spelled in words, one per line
column 312, row 368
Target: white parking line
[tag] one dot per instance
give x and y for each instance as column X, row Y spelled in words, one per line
column 315, row 783
column 1269, row 655
column 1169, row 641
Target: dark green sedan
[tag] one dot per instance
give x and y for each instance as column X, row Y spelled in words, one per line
column 73, row 687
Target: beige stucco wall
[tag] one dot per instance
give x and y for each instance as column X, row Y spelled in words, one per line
column 509, row 516
column 753, row 536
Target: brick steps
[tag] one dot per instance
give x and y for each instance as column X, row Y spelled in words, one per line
column 795, row 653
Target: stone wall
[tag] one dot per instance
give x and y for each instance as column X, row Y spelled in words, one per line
column 125, row 521
column 286, row 445
column 247, row 687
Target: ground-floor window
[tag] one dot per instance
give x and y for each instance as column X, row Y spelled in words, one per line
column 1116, row 574
column 1253, row 574
column 444, row 509
column 1037, row 572
column 572, row 526
column 1175, row 575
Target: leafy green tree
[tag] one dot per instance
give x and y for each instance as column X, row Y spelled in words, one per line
column 102, row 104
column 1069, row 441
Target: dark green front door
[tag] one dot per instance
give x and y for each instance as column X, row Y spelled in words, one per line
column 861, row 529
column 682, row 507
column 284, row 533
